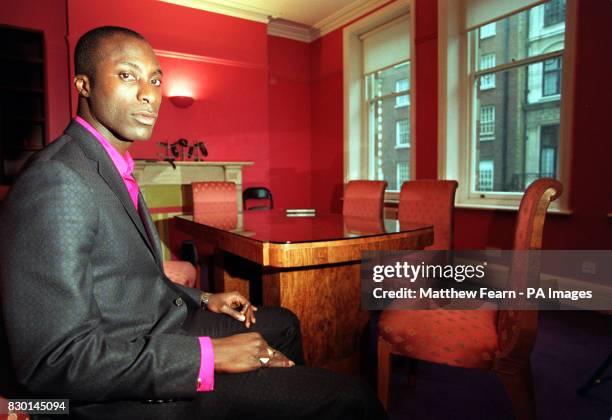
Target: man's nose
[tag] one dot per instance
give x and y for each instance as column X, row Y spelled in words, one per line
column 148, row 93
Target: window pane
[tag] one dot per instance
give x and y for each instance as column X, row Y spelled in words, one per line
column 513, row 118
column 388, row 81
column 388, row 123
column 487, row 61
column 522, row 35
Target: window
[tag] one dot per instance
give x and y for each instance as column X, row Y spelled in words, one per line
column 377, row 88
column 528, row 98
column 517, row 112
column 485, row 175
column 402, row 86
column 403, row 174
column 402, row 129
column 487, row 31
column 551, row 81
column 487, row 81
column 388, row 104
column 554, row 12
column 487, row 122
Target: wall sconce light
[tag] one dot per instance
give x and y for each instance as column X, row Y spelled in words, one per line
column 181, row 101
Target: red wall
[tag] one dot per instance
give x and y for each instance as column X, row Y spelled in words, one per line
column 290, row 122
column 327, row 122
column 226, row 72
column 48, row 16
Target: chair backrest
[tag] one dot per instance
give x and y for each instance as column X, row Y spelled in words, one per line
column 517, row 329
column 431, row 202
column 215, row 203
column 364, row 199
column 258, row 194
column 214, row 197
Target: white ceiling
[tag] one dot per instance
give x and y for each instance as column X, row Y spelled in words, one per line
column 311, row 13
column 306, row 12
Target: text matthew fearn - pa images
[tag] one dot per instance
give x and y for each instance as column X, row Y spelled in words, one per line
column 482, row 293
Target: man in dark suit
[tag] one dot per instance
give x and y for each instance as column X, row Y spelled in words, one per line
column 88, row 312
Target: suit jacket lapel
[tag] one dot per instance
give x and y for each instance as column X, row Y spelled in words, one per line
column 150, row 228
column 107, row 170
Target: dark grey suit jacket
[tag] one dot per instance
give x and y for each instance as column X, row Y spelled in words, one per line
column 88, row 313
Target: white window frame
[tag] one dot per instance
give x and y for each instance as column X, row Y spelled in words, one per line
column 398, row 143
column 489, row 30
column 489, row 134
column 357, row 161
column 488, row 81
column 455, row 131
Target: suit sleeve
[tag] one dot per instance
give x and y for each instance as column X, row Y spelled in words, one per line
column 53, row 324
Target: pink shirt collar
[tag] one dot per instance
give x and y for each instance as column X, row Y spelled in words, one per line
column 124, row 164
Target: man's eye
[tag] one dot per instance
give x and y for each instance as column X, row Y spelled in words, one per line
column 127, row 76
column 156, row 82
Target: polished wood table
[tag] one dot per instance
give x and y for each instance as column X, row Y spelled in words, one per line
column 307, row 264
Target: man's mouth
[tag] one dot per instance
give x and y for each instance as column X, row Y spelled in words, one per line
column 145, row 117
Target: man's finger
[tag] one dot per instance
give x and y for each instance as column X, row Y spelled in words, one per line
column 226, row 309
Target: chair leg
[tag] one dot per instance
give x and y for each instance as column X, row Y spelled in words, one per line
column 384, row 371
column 519, row 387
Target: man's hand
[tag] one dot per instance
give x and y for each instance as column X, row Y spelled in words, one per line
column 246, row 352
column 227, row 303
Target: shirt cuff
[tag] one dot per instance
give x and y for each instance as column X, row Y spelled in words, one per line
column 206, row 376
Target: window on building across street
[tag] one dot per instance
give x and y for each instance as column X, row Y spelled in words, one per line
column 402, row 133
column 554, row 12
column 487, row 31
column 402, row 86
column 485, row 175
column 377, row 88
column 403, row 174
column 487, row 81
column 487, row 122
column 551, row 82
column 525, row 67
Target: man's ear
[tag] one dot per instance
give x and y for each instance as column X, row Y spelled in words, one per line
column 82, row 85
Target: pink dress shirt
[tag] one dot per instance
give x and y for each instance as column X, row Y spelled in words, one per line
column 125, row 166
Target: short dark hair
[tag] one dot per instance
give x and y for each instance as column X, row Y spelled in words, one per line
column 88, row 46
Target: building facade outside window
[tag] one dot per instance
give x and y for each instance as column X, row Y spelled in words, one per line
column 485, row 175
column 402, row 86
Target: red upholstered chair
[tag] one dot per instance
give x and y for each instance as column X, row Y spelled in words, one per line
column 364, row 199
column 500, row 341
column 215, row 203
column 430, row 202
column 212, row 200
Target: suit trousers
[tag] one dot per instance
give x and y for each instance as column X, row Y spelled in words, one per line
column 267, row 393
